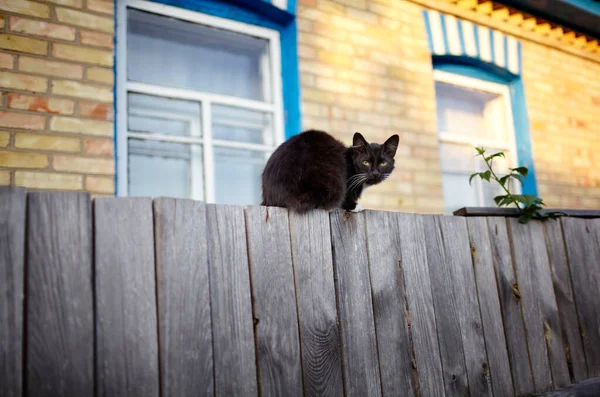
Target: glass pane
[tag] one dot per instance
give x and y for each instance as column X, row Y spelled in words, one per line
column 500, row 164
column 457, row 157
column 469, row 112
column 457, row 192
column 237, row 176
column 156, row 115
column 175, row 53
column 242, row 125
column 164, row 169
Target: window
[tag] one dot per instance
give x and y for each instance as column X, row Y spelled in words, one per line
column 472, row 112
column 200, row 104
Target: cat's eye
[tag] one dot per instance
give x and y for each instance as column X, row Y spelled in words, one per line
column 366, row 163
column 383, row 163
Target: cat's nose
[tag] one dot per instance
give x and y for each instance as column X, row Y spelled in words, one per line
column 375, row 173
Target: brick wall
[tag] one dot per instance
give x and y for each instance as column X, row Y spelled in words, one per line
column 56, row 79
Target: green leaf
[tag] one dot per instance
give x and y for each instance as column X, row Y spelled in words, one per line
column 521, row 170
column 486, row 175
column 499, row 154
column 473, row 176
column 480, row 150
column 499, row 199
column 503, row 180
column 517, row 177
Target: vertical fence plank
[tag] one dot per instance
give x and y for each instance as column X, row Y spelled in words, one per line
column 12, row 265
column 557, row 257
column 456, row 246
column 389, row 303
column 583, row 251
column 185, row 331
column 60, row 307
column 231, row 306
column 514, row 328
column 491, row 313
column 274, row 297
column 317, row 313
column 539, row 304
column 420, row 304
column 447, row 316
column 359, row 345
column 126, row 323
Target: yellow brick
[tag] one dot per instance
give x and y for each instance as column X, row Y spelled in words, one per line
column 81, row 126
column 4, row 138
column 100, row 75
column 7, row 61
column 39, row 28
column 79, row 90
column 26, row 7
column 102, row 6
column 84, row 19
column 23, row 44
column 50, row 68
column 2, row 22
column 48, row 180
column 81, row 54
column 23, row 160
column 100, row 184
column 313, row 95
column 71, row 3
column 4, row 177
column 47, row 142
column 84, row 164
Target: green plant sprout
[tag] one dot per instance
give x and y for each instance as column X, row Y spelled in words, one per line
column 529, row 206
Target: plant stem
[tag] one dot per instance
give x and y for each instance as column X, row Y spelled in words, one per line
column 501, row 184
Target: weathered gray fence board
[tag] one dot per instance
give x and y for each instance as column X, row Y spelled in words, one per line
column 126, row 323
column 583, row 253
column 491, row 313
column 447, row 319
column 514, row 328
column 12, row 265
column 233, row 337
column 183, row 292
column 458, row 255
column 389, row 304
column 420, row 304
column 557, row 257
column 539, row 304
column 60, row 306
column 317, row 313
column 274, row 297
column 351, row 265
column 587, row 388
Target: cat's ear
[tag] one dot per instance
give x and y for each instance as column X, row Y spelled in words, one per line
column 391, row 145
column 358, row 141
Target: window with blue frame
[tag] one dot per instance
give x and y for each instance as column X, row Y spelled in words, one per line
column 199, row 101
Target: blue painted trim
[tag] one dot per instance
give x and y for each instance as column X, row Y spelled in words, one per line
column 291, row 88
column 476, row 34
column 291, row 7
column 115, row 99
column 506, row 60
column 461, row 37
column 591, row 6
column 492, row 48
column 445, row 33
column 428, row 28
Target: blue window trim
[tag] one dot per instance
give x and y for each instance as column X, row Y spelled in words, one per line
column 475, row 68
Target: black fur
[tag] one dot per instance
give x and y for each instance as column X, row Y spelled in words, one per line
column 314, row 170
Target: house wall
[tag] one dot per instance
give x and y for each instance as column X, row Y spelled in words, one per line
column 56, row 79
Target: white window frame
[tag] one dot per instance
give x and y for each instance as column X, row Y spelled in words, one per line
column 204, row 99
column 505, row 145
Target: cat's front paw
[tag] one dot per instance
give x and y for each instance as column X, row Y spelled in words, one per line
column 358, row 208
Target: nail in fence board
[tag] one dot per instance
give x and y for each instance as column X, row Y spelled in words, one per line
column 540, row 313
column 583, row 251
column 420, row 304
column 491, row 314
column 231, row 308
column 126, row 324
column 446, row 311
column 183, row 298
column 60, row 307
column 351, row 265
column 389, row 304
column 12, row 264
column 514, row 328
column 564, row 297
column 317, row 313
column 458, row 254
column 274, row 298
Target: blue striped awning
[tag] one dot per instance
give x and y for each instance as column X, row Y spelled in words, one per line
column 451, row 36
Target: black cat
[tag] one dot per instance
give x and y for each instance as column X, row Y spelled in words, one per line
column 315, row 170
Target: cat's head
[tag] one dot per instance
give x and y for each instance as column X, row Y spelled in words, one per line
column 372, row 160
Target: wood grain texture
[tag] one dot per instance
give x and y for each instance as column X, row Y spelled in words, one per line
column 274, row 297
column 351, row 266
column 317, row 313
column 505, row 212
column 458, row 254
column 185, row 330
column 514, row 328
column 389, row 304
column 126, row 323
column 540, row 312
column 447, row 314
column 489, row 304
column 231, row 307
column 583, row 251
column 60, row 306
column 587, row 388
column 561, row 278
column 420, row 304
column 12, row 267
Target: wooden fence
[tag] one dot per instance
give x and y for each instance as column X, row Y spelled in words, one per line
column 134, row 297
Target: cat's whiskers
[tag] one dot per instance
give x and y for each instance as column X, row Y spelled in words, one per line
column 357, row 180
